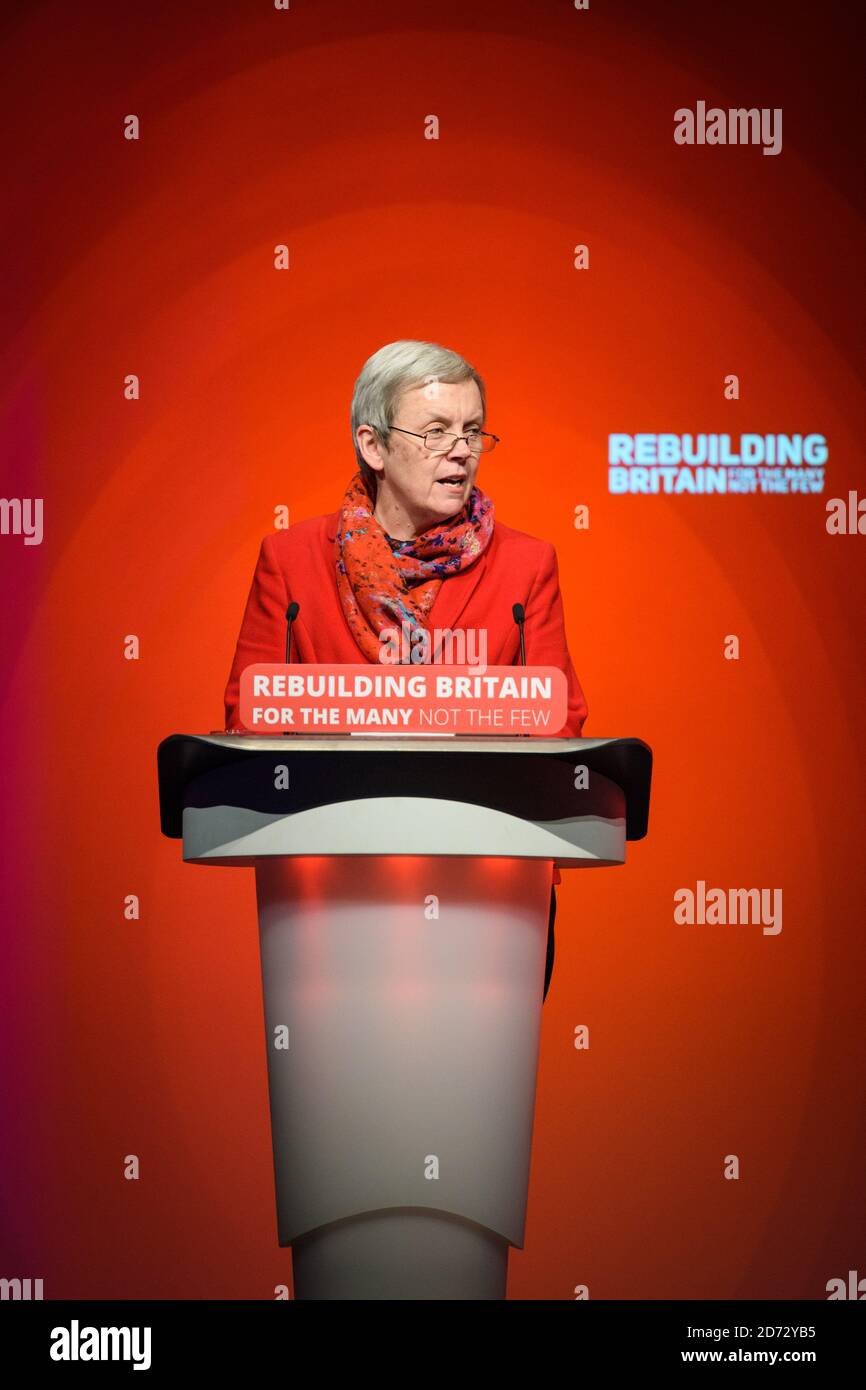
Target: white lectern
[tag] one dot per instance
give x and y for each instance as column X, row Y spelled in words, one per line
column 403, row 892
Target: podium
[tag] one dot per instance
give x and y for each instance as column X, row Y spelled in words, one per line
column 403, row 889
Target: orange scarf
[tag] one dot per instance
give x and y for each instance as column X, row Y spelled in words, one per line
column 383, row 582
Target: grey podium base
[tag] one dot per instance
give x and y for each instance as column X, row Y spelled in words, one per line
column 401, row 1253
column 402, row 1001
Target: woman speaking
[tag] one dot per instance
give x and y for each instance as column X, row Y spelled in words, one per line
column 414, row 545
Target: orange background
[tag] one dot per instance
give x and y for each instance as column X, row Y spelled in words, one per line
column 156, row 257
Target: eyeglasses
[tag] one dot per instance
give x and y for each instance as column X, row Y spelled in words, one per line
column 438, row 442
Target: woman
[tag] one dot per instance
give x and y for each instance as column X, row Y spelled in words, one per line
column 413, row 545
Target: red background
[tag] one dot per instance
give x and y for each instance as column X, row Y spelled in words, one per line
column 156, row 257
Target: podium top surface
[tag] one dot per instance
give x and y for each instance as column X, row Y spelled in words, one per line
column 414, row 743
column 625, row 761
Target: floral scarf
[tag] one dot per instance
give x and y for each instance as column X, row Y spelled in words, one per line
column 383, row 582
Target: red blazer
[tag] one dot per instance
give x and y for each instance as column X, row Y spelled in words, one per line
column 298, row 564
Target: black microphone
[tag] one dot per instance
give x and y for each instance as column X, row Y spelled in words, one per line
column 520, row 619
column 291, row 613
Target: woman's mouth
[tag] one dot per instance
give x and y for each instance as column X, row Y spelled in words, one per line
column 455, row 483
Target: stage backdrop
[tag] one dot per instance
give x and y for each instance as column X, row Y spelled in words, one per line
column 503, row 179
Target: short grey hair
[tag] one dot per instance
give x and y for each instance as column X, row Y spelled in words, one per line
column 396, row 368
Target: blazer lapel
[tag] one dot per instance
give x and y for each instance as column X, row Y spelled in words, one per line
column 455, row 592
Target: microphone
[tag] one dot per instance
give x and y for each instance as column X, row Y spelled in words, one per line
column 520, row 619
column 291, row 613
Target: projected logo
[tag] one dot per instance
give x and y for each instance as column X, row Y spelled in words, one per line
column 708, row 463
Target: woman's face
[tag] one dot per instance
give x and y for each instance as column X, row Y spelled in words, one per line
column 415, row 487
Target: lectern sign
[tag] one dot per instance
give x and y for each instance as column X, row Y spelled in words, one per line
column 421, row 699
